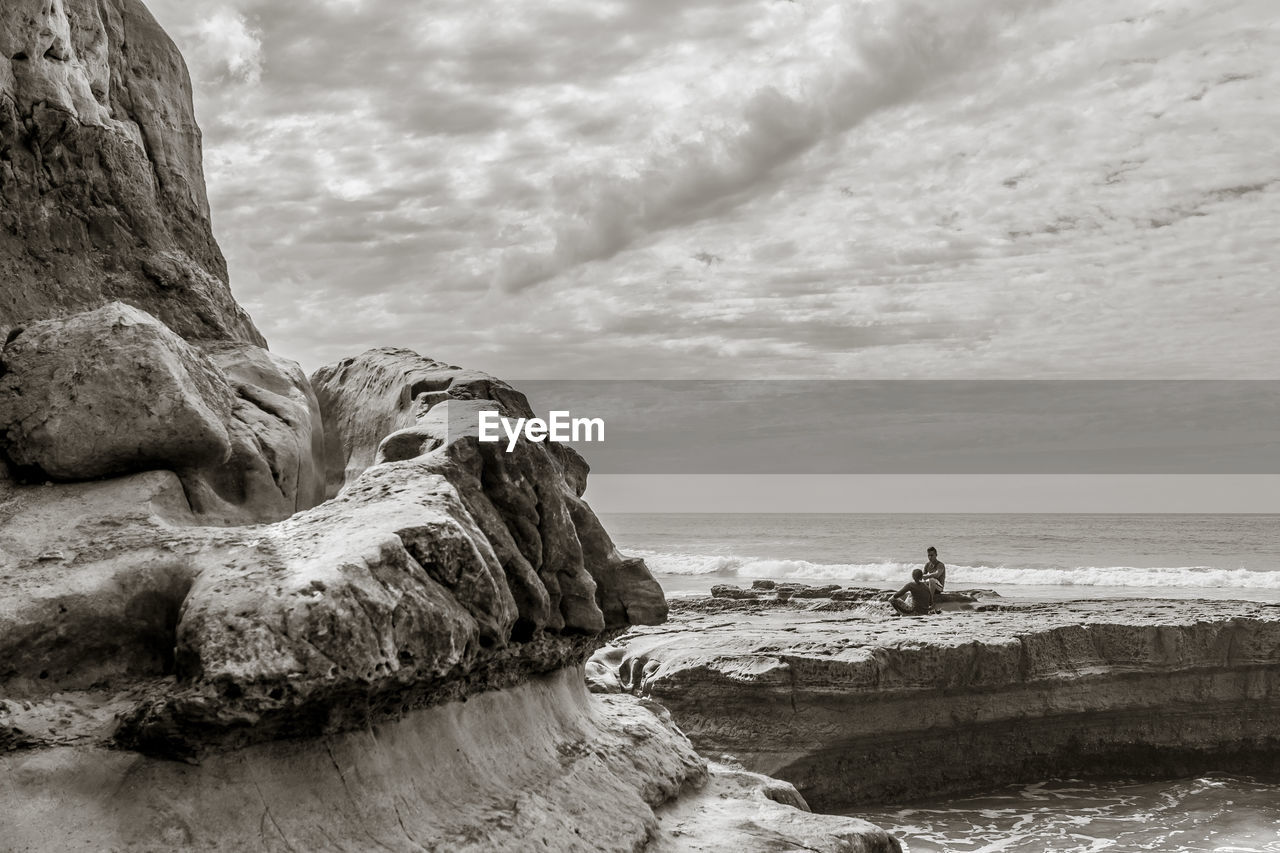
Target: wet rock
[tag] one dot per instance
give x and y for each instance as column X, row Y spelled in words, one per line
column 725, row 590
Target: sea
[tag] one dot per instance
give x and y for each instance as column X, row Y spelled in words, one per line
column 1020, row 557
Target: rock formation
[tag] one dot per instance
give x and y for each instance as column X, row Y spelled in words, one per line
column 426, row 579
column 862, row 706
column 114, row 391
column 102, row 192
column 388, row 405
column 423, row 631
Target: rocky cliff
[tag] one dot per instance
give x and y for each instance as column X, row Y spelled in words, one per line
column 102, row 193
column 855, row 705
column 399, row 665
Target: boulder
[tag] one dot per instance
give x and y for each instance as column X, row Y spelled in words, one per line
column 112, row 391
column 102, row 194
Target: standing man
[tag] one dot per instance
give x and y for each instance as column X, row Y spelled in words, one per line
column 935, row 571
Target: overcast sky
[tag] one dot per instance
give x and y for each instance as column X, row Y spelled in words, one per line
column 711, row 188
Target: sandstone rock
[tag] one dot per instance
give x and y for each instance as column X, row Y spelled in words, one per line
column 115, row 391
column 979, row 700
column 562, row 567
column 277, row 441
column 388, row 598
column 540, row 765
column 109, row 392
column 91, row 582
column 369, row 397
column 602, row 670
column 743, row 811
column 102, row 194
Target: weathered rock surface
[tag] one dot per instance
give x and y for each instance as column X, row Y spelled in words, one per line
column 112, row 391
column 743, row 811
column 367, row 398
column 386, row 599
column 463, row 569
column 861, row 706
column 277, row 462
column 538, row 766
column 389, row 404
column 102, row 194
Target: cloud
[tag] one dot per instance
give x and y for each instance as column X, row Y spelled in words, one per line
column 891, row 187
column 222, row 47
column 883, row 53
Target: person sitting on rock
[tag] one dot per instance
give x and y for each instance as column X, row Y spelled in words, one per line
column 935, row 571
column 921, row 597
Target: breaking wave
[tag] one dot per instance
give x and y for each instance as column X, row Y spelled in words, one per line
column 891, row 573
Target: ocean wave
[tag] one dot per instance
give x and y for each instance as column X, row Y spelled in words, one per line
column 892, row 574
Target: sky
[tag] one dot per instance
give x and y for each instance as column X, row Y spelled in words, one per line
column 759, row 189
column 743, row 189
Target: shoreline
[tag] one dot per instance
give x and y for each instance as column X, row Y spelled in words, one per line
column 834, row 696
column 686, row 586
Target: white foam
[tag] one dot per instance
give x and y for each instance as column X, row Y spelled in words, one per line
column 890, row 573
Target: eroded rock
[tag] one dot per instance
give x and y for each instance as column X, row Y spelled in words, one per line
column 111, row 391
column 114, row 391
column 537, row 766
column 367, row 398
column 277, row 461
column 102, row 193
column 563, row 568
column 833, row 702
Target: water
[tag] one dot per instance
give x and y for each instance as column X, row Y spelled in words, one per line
column 1018, row 555
column 1216, row 814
